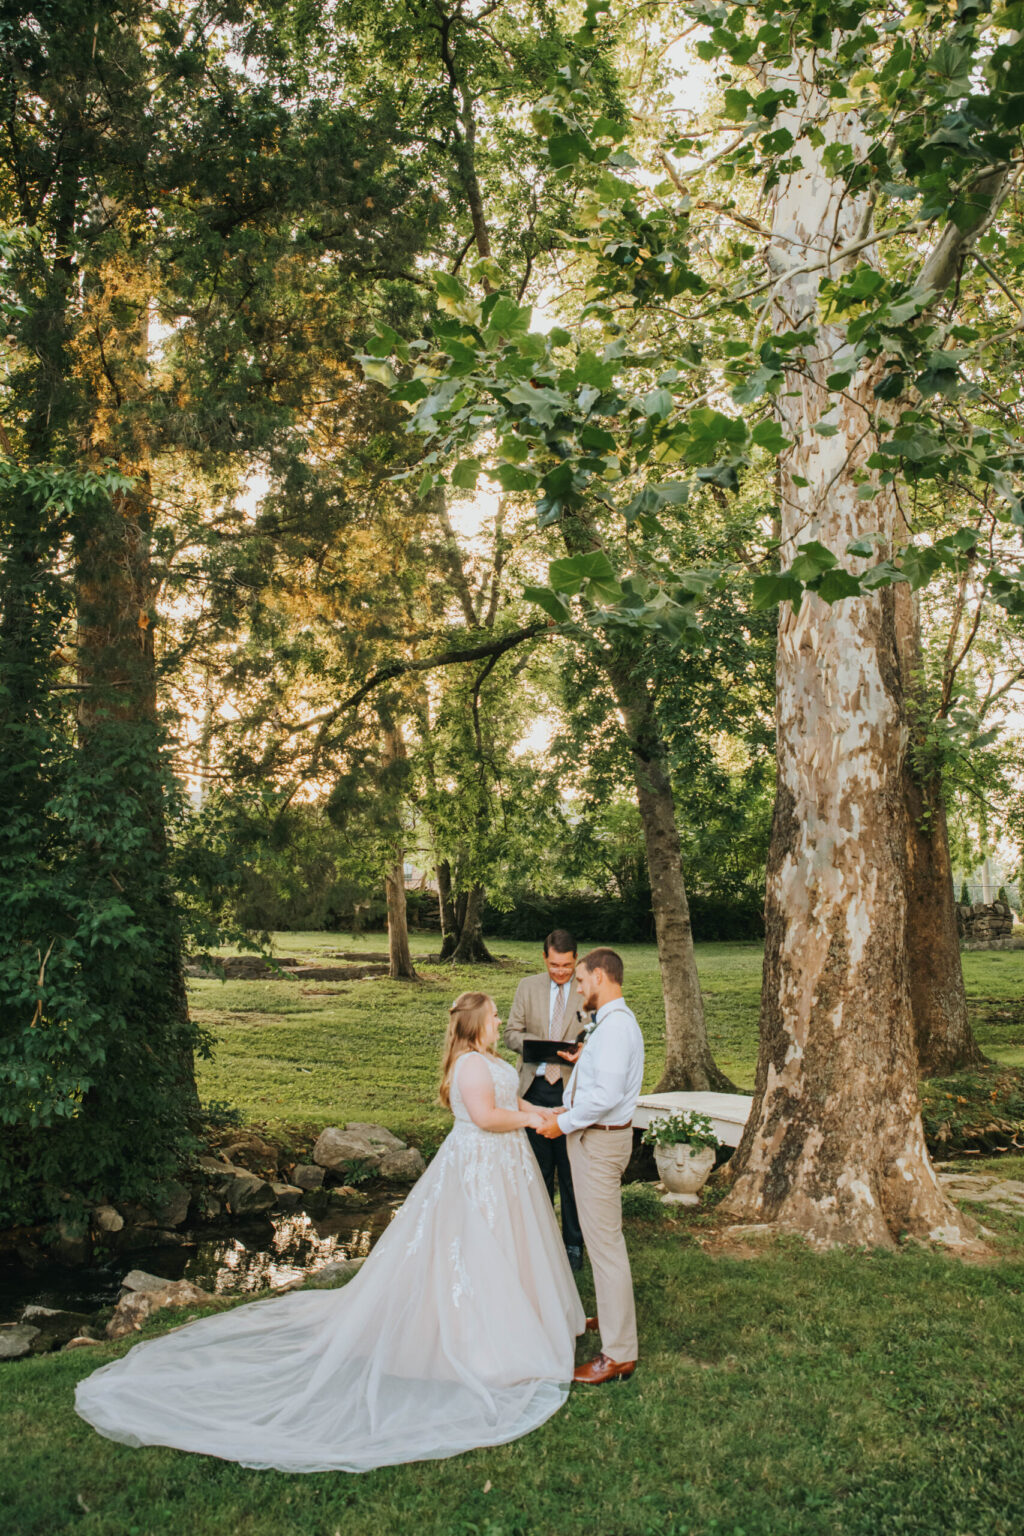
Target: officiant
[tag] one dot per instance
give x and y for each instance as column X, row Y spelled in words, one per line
column 546, row 1008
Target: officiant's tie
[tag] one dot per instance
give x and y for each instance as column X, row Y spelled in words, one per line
column 553, row 1070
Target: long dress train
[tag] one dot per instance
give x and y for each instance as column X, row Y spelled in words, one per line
column 457, row 1332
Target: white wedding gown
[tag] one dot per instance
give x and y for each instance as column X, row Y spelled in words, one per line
column 457, row 1332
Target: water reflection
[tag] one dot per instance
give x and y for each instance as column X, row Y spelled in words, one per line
column 259, row 1255
column 279, row 1253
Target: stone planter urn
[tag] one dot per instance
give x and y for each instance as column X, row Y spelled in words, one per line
column 683, row 1170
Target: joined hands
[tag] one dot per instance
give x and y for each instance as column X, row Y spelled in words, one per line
column 549, row 1125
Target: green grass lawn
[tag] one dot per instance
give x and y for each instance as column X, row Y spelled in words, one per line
column 781, row 1394
column 289, row 1052
column 297, row 1053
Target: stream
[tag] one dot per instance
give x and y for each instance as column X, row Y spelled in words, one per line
column 260, row 1254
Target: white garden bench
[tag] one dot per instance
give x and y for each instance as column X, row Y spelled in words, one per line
column 727, row 1112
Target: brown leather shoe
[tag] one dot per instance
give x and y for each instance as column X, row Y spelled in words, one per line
column 592, row 1325
column 599, row 1370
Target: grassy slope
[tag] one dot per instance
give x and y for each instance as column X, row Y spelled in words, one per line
column 322, row 1052
column 782, row 1395
column 373, row 1046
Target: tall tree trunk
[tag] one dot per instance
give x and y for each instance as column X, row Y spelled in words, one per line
column 117, row 721
column 689, row 1065
column 834, row 1147
column 449, row 921
column 400, row 966
column 471, row 949
column 943, row 1038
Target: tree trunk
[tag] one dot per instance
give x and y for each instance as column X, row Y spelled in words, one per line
column 117, row 724
column 834, row 1147
column 943, row 1038
column 400, row 966
column 471, row 949
column 689, row 1065
column 449, row 921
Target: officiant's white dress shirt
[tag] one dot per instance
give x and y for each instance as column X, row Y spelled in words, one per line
column 607, row 1079
column 553, row 992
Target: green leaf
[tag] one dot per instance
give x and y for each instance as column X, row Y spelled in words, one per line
column 567, row 148
column 837, row 584
column 597, row 438
column 825, row 428
column 776, row 588
column 465, row 474
column 533, row 346
column 511, row 478
column 449, row 287
column 552, row 605
column 591, row 369
column 812, row 560
column 755, row 385
column 864, row 547
column 514, row 449
column 770, row 436
column 606, row 590
column 658, row 404
column 607, row 128
column 376, row 370
column 507, row 318
column 720, row 474
column 737, row 104
column 544, row 404
column 385, row 342
column 412, row 390
column 710, row 432
column 570, row 574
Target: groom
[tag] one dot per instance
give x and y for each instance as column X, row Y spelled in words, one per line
column 598, row 1125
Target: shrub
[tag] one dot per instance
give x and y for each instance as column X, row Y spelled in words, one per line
column 642, row 1203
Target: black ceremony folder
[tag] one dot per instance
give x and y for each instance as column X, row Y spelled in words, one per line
column 545, row 1050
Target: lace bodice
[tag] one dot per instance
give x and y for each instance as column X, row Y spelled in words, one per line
column 504, row 1077
column 482, row 1166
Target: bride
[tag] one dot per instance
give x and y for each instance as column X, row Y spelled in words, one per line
column 457, row 1332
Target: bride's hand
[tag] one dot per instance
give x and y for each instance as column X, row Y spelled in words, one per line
column 535, row 1120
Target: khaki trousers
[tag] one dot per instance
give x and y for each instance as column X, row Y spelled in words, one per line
column 598, row 1159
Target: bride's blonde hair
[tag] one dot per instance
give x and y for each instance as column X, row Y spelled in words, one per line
column 467, row 1020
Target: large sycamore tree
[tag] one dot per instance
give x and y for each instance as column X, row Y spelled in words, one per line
column 819, row 287
column 835, row 1146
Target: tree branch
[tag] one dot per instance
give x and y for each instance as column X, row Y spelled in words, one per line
column 393, row 669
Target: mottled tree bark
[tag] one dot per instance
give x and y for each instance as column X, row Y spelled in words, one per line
column 834, row 1147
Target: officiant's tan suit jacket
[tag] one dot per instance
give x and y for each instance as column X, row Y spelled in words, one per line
column 529, row 1015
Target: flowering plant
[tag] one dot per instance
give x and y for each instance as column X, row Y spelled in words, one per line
column 681, row 1126
column 587, row 1030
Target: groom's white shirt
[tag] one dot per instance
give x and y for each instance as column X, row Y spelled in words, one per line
column 607, row 1079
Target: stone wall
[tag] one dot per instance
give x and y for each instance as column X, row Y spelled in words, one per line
column 982, row 924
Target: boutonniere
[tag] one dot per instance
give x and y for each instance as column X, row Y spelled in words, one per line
column 588, row 1028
